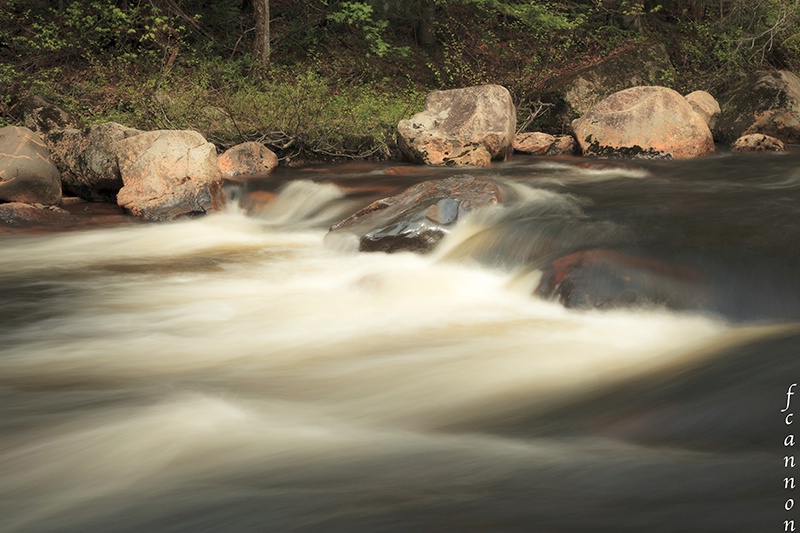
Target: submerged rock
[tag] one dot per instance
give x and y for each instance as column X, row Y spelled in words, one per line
column 652, row 122
column 598, row 278
column 16, row 214
column 461, row 127
column 27, row 174
column 417, row 218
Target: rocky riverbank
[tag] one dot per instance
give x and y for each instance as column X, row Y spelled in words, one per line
column 168, row 174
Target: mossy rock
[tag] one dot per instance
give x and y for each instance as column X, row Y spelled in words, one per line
column 571, row 95
column 766, row 102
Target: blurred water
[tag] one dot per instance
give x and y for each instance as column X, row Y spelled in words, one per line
column 232, row 373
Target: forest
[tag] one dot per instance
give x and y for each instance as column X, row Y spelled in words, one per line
column 317, row 79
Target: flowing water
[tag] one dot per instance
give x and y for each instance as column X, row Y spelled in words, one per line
column 241, row 373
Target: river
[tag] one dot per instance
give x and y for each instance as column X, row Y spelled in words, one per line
column 241, row 373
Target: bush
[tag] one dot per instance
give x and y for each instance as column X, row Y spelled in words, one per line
column 297, row 115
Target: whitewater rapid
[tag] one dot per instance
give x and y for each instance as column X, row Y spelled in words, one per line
column 232, row 373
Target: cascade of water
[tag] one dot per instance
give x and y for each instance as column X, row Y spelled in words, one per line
column 232, row 373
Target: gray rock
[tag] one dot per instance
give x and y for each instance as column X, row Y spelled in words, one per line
column 247, row 159
column 41, row 116
column 651, row 122
column 419, row 217
column 87, row 159
column 571, row 95
column 757, row 142
column 761, row 102
column 459, row 127
column 168, row 174
column 26, row 172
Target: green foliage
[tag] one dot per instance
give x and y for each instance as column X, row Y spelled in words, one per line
column 717, row 40
column 516, row 44
column 360, row 15
column 7, row 77
column 302, row 114
column 534, row 15
column 87, row 30
column 344, row 72
column 306, row 113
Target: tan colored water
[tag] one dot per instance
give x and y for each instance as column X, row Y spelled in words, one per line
column 232, row 373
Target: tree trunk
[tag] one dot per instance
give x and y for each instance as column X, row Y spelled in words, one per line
column 427, row 36
column 261, row 48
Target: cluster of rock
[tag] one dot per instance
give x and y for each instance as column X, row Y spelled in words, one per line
column 614, row 108
column 641, row 121
column 593, row 114
column 611, row 109
column 167, row 174
column 154, row 175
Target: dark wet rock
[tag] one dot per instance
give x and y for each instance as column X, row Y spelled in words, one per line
column 564, row 145
column 650, row 122
column 444, row 212
column 761, row 102
column 256, row 202
column 459, row 127
column 247, row 159
column 598, row 278
column 417, row 218
column 27, row 173
column 87, row 159
column 757, row 142
column 168, row 174
column 571, row 95
column 42, row 117
column 525, row 235
column 16, row 214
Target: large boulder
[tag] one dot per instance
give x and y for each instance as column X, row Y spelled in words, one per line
column 168, row 174
column 460, row 127
column 644, row 122
column 570, row 95
column 761, row 102
column 247, row 159
column 87, row 159
column 26, row 172
column 417, row 218
column 42, row 116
